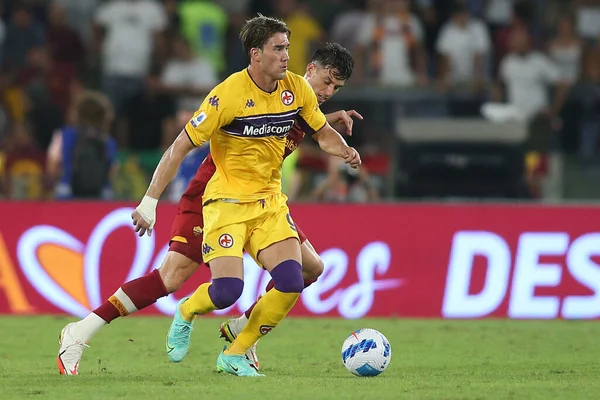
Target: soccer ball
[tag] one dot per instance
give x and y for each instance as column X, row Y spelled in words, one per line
column 366, row 352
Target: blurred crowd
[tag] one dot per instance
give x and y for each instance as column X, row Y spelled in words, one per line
column 147, row 64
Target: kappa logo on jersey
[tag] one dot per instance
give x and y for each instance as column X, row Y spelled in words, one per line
column 225, row 240
column 197, row 120
column 250, row 103
column 214, row 101
column 287, row 97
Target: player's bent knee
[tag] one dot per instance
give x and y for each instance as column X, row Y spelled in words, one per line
column 224, row 292
column 319, row 268
column 288, row 277
column 314, row 269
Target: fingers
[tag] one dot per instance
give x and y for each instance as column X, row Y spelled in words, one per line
column 348, row 122
column 354, row 113
column 352, row 157
column 140, row 225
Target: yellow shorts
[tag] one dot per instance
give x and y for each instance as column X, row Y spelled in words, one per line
column 229, row 227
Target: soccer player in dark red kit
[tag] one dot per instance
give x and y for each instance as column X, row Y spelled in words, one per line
column 329, row 69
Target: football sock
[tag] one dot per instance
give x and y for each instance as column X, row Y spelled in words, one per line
column 129, row 298
column 219, row 294
column 198, row 303
column 88, row 327
column 271, row 285
column 272, row 307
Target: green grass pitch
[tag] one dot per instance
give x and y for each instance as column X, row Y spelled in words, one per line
column 431, row 359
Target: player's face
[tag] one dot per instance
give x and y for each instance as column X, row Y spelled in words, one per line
column 323, row 82
column 273, row 57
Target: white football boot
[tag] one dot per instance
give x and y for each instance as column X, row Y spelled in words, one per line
column 70, row 351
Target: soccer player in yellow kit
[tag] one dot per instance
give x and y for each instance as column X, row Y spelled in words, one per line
column 246, row 118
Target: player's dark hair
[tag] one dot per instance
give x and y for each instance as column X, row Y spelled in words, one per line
column 258, row 30
column 335, row 57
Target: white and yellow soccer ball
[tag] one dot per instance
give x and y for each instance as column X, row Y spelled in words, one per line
column 366, row 352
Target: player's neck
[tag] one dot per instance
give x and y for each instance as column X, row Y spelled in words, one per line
column 263, row 82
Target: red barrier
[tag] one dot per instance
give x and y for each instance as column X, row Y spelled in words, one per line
column 462, row 261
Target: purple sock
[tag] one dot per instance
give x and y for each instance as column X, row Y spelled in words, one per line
column 225, row 291
column 288, row 277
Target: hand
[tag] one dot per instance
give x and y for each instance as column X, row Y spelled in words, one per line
column 352, row 157
column 343, row 119
column 144, row 216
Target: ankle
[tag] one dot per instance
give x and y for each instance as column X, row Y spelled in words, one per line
column 185, row 313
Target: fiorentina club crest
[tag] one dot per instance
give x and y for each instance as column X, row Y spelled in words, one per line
column 226, row 240
column 287, row 97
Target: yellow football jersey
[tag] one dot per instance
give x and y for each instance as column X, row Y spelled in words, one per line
column 247, row 128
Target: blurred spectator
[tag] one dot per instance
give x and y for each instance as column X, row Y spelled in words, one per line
column 63, row 42
column 390, row 42
column 306, row 32
column 588, row 18
column 498, row 13
column 47, row 89
column 343, row 30
column 187, row 76
column 326, row 11
column 204, row 24
column 527, row 74
column 81, row 157
column 80, row 16
column 46, row 80
column 589, row 93
column 129, row 30
column 566, row 49
column 23, row 33
column 172, row 30
column 12, row 110
column 234, row 53
column 520, row 19
column 463, row 45
column 23, row 170
column 345, row 184
column 147, row 122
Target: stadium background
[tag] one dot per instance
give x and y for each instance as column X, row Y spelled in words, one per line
column 476, row 215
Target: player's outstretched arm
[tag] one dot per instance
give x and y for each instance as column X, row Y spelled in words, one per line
column 342, row 120
column 331, row 142
column 144, row 215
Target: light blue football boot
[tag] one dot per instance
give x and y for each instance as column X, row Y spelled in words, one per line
column 235, row 365
column 178, row 338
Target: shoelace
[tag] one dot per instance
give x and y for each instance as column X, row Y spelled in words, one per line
column 73, row 352
column 182, row 334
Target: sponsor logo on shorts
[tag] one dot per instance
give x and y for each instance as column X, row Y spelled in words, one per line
column 264, row 329
column 287, row 97
column 225, row 240
column 206, row 248
column 197, row 231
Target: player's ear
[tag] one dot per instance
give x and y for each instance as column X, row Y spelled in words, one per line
column 255, row 54
column 311, row 68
